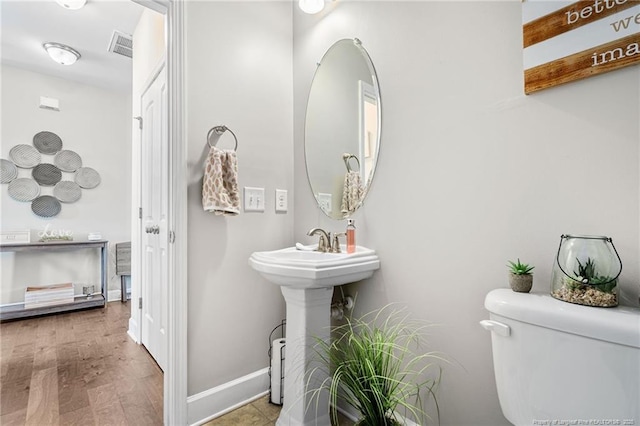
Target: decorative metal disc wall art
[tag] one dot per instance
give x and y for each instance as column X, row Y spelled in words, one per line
column 87, row 177
column 25, row 156
column 67, row 161
column 8, row 171
column 47, row 142
column 46, row 206
column 24, row 189
column 46, row 174
column 67, row 191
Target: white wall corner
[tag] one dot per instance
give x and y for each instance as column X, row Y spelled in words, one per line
column 215, row 402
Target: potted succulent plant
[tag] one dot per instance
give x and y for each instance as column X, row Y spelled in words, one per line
column 520, row 276
column 375, row 364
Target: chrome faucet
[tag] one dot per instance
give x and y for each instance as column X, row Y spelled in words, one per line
column 324, row 244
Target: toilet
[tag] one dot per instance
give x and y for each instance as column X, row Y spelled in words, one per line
column 558, row 363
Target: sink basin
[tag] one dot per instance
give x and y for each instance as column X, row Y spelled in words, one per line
column 291, row 267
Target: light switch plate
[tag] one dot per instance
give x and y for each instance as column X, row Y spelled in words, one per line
column 324, row 200
column 253, row 199
column 281, row 200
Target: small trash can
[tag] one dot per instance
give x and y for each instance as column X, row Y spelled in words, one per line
column 276, row 363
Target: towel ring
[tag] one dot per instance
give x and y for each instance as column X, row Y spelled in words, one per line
column 219, row 130
column 346, row 157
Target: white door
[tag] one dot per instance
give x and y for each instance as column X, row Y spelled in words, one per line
column 154, row 235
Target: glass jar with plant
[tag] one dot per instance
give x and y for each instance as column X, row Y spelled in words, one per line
column 586, row 271
column 520, row 276
column 586, row 287
column 377, row 365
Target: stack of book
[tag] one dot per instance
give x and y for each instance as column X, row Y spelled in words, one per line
column 55, row 294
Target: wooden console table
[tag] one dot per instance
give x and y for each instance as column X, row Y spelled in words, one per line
column 17, row 310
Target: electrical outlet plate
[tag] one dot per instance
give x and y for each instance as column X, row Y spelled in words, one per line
column 253, row 199
column 281, row 200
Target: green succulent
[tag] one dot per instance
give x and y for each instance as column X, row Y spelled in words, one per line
column 518, row 268
column 573, row 284
column 604, row 284
column 587, row 274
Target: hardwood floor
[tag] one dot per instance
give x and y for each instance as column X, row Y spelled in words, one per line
column 81, row 368
column 77, row 368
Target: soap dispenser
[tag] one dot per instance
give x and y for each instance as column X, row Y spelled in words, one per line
column 351, row 236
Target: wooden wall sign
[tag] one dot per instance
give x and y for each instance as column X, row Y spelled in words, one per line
column 565, row 41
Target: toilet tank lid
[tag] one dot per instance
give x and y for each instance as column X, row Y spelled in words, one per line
column 619, row 325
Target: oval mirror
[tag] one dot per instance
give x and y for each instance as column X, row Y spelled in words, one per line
column 342, row 128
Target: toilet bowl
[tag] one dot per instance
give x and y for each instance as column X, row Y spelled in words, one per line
column 562, row 364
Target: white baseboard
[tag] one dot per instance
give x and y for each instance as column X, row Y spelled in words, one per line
column 133, row 330
column 113, row 295
column 407, row 422
column 351, row 414
column 217, row 401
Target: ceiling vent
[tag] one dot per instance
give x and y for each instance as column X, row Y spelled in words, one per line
column 121, row 44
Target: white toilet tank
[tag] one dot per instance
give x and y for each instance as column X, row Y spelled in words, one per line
column 562, row 364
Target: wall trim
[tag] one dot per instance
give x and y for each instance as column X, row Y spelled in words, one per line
column 220, row 400
column 133, row 330
column 114, row 295
column 176, row 372
column 351, row 414
column 215, row 402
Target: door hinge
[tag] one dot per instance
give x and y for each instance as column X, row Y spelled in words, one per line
column 139, row 302
column 172, row 237
column 139, row 121
column 140, row 213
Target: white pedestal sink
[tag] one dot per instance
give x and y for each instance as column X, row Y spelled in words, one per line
column 306, row 279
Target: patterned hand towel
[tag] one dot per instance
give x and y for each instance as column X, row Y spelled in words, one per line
column 352, row 192
column 220, row 183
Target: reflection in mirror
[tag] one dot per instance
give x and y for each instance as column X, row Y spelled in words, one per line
column 342, row 128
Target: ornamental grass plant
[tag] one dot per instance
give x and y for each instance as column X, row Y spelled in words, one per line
column 377, row 364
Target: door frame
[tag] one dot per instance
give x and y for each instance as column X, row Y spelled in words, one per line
column 175, row 374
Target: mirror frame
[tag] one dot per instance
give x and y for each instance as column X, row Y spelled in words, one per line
column 366, row 182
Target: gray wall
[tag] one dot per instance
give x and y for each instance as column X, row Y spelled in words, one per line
column 472, row 172
column 239, row 74
column 93, row 122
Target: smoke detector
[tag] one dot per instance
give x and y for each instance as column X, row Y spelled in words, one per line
column 121, row 44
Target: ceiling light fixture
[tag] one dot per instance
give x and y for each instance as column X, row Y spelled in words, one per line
column 61, row 53
column 311, row 6
column 72, row 4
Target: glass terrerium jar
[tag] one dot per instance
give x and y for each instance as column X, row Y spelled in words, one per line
column 586, row 271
